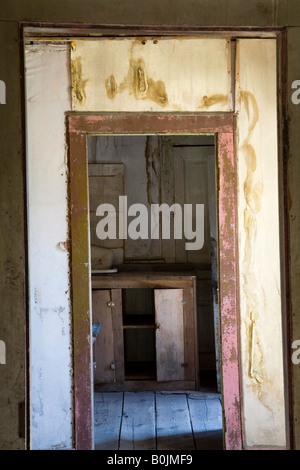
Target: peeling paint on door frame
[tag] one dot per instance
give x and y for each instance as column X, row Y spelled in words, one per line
column 79, row 126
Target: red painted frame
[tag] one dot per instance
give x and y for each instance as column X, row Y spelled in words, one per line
column 223, row 125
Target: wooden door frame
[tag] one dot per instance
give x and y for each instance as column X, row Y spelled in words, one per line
column 79, row 125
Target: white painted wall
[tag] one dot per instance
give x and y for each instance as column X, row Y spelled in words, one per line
column 48, row 97
column 164, row 74
column 260, row 282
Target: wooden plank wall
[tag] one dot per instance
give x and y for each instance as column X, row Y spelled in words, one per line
column 12, row 246
column 292, row 164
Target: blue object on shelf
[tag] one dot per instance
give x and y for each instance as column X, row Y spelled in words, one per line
column 95, row 329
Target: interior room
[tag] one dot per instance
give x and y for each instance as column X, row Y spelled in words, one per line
column 154, row 228
column 143, row 359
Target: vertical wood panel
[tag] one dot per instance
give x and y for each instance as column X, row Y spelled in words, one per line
column 170, row 335
column 81, row 273
column 194, row 184
column 106, row 184
column 12, row 247
column 104, row 344
column 293, row 218
column 116, row 297
column 259, row 244
column 229, row 290
column 190, row 334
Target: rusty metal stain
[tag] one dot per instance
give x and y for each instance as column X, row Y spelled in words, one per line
column 140, row 79
column 78, row 84
column 111, row 87
column 157, row 92
column 256, row 354
column 208, row 101
column 138, row 84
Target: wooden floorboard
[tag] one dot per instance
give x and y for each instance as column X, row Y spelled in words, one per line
column 206, row 419
column 174, row 429
column 157, row 421
column 108, row 409
column 138, row 425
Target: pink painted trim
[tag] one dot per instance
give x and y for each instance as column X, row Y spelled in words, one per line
column 156, row 123
column 229, row 291
column 223, row 126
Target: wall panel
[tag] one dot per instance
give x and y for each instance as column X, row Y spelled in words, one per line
column 48, row 97
column 12, row 247
column 293, row 193
column 143, row 75
column 260, row 280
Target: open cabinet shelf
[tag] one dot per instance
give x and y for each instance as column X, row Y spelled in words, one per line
column 140, row 371
column 156, row 342
column 138, row 321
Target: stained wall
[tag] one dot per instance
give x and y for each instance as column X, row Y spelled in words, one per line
column 258, row 224
column 183, row 14
column 50, row 317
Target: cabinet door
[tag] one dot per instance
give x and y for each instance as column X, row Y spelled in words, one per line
column 118, row 338
column 106, row 184
column 108, row 348
column 169, row 334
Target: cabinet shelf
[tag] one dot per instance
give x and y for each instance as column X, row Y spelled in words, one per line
column 138, row 321
column 129, row 352
column 140, row 371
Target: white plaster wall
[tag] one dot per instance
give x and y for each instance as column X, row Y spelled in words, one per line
column 260, row 280
column 48, row 97
column 148, row 74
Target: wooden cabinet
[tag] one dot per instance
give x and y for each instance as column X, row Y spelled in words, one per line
column 148, row 336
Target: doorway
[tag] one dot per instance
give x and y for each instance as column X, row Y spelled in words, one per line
column 221, row 127
column 159, row 170
column 146, row 405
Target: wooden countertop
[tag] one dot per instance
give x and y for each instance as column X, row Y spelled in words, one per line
column 135, row 279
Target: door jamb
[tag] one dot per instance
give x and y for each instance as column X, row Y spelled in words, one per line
column 223, row 125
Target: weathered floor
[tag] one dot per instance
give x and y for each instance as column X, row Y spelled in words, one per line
column 157, row 421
